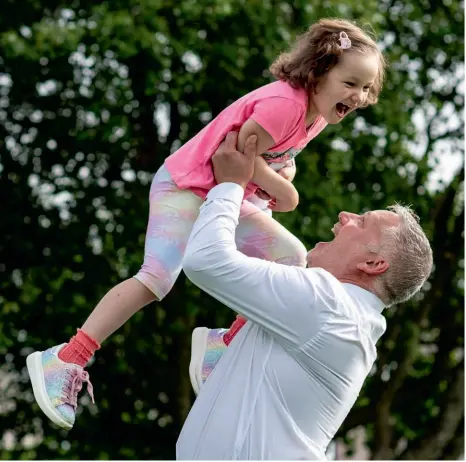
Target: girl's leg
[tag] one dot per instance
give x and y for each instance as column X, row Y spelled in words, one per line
column 116, row 307
column 261, row 236
column 171, row 217
column 57, row 374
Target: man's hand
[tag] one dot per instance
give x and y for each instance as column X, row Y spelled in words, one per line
column 232, row 166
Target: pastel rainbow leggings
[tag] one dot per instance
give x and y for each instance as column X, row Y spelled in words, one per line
column 172, row 215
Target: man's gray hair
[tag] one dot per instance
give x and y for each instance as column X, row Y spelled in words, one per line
column 409, row 255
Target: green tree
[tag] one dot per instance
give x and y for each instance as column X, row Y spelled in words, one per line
column 95, row 95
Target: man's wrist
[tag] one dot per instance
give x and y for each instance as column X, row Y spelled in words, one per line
column 227, row 190
column 235, row 181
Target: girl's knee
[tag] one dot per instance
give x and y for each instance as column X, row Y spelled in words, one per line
column 301, row 254
column 157, row 283
column 296, row 254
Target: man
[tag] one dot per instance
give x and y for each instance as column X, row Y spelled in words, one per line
column 291, row 375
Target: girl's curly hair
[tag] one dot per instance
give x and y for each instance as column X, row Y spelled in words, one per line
column 318, row 50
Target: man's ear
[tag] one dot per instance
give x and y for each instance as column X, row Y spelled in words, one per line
column 377, row 265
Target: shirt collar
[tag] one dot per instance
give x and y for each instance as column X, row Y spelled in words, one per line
column 369, row 297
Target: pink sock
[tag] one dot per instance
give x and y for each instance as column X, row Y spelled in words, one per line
column 79, row 350
column 238, row 323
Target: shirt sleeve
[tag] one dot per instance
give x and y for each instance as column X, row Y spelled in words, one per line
column 278, row 116
column 284, row 300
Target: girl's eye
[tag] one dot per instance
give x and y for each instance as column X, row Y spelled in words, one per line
column 350, row 84
column 366, row 88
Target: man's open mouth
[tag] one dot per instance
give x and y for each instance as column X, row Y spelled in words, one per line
column 342, row 109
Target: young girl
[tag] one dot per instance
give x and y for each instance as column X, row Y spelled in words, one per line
column 330, row 71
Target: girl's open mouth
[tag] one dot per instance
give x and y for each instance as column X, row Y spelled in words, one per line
column 341, row 109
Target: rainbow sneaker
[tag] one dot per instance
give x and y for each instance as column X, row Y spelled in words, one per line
column 207, row 347
column 56, row 385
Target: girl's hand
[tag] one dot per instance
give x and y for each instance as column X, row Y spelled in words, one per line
column 275, row 186
column 261, row 194
column 288, row 171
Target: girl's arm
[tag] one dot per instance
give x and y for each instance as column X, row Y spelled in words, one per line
column 272, row 183
column 288, row 171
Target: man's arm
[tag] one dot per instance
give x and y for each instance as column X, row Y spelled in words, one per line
column 279, row 298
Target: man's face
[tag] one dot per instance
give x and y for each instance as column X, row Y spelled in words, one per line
column 348, row 253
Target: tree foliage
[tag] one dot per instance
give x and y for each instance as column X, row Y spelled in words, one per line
column 95, row 95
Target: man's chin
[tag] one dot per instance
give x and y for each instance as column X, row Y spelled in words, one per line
column 313, row 256
column 313, row 261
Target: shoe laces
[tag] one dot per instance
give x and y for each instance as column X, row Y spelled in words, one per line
column 74, row 384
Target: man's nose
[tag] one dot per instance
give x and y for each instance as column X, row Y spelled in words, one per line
column 345, row 217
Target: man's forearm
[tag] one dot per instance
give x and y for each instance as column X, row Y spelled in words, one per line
column 214, row 231
column 264, row 292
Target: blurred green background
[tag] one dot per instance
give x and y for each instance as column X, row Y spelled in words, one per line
column 95, row 95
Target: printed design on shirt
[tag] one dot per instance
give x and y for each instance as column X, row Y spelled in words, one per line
column 285, row 156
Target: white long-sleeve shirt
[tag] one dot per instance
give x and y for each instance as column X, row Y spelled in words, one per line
column 291, row 375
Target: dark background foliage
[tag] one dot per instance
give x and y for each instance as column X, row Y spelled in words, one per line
column 95, row 95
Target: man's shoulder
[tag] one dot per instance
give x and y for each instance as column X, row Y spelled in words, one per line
column 331, row 292
column 326, row 278
column 325, row 285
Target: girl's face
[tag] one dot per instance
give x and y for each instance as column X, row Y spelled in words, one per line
column 346, row 86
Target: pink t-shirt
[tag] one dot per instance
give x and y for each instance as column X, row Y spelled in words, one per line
column 277, row 107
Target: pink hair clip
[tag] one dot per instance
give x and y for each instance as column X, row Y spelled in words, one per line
column 345, row 42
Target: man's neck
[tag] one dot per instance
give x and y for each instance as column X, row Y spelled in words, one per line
column 357, row 282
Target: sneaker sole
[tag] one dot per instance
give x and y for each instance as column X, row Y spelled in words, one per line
column 36, row 374
column 198, row 350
